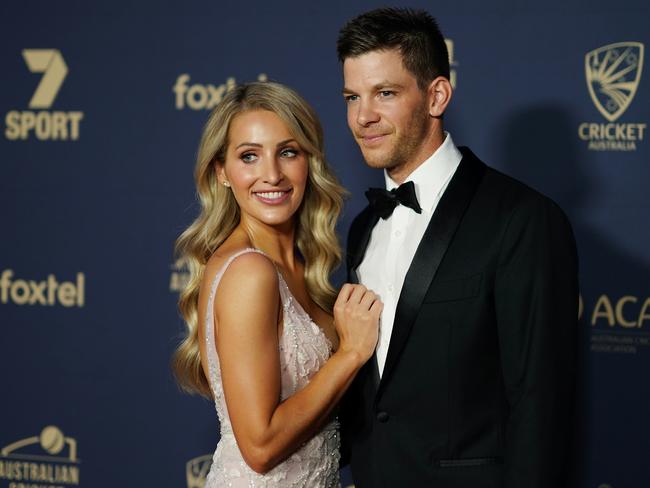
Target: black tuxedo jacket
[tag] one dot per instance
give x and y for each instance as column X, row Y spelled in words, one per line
column 479, row 382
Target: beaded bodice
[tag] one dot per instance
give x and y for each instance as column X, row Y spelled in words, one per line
column 304, row 349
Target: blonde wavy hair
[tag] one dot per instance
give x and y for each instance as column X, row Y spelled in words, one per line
column 315, row 220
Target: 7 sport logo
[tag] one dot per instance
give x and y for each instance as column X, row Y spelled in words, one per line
column 45, row 125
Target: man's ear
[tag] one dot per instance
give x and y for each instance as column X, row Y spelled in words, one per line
column 439, row 95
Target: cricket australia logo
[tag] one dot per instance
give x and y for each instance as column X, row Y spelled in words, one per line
column 613, row 73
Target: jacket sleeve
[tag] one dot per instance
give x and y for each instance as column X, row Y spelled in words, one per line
column 346, row 410
column 536, row 300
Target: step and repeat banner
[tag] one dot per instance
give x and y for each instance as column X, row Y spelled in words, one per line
column 101, row 107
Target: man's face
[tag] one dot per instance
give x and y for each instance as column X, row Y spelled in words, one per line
column 387, row 112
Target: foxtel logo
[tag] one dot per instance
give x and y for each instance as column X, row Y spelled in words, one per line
column 48, row 292
column 198, row 96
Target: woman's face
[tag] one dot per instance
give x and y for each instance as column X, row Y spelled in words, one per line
column 265, row 167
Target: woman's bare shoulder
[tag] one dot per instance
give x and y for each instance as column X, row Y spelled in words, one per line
column 250, row 279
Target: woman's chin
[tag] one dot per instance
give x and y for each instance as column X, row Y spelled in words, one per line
column 276, row 218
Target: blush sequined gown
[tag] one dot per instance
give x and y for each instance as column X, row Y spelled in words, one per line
column 303, row 351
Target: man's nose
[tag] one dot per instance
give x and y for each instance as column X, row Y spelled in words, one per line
column 367, row 113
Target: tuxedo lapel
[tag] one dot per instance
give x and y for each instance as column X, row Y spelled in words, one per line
column 430, row 252
column 358, row 241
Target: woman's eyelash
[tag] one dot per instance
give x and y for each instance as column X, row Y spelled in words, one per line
column 247, row 156
column 291, row 150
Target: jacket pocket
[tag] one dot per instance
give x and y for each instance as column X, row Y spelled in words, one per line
column 468, row 463
column 458, row 289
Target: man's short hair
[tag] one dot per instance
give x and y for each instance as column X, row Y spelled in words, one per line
column 414, row 32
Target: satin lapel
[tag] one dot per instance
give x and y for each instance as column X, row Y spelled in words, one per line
column 358, row 241
column 430, row 252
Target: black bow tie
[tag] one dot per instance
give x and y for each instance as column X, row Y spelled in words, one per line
column 383, row 202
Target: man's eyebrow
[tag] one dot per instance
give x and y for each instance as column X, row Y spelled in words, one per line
column 377, row 87
column 387, row 84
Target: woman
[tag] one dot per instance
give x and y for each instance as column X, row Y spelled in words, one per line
column 262, row 340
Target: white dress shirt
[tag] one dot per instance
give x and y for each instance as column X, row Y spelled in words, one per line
column 394, row 241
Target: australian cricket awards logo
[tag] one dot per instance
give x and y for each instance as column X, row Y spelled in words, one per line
column 179, row 277
column 613, row 73
column 196, row 470
column 45, row 460
column 40, row 122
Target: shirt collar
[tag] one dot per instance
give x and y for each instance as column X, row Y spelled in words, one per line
column 431, row 176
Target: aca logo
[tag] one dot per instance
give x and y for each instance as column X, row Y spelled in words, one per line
column 613, row 73
column 196, row 471
column 45, row 125
column 453, row 63
column 199, row 96
column 49, row 459
column 618, row 323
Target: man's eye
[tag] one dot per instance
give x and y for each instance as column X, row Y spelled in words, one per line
column 351, row 98
column 386, row 93
column 248, row 157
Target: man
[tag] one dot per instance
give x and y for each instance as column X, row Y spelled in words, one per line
column 472, row 382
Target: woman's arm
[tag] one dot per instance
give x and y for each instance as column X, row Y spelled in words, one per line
column 246, row 310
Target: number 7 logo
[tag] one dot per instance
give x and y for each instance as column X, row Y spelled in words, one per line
column 50, row 62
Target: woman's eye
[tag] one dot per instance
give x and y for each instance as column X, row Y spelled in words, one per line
column 248, row 157
column 289, row 153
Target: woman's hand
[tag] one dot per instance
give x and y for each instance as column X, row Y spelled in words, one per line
column 356, row 316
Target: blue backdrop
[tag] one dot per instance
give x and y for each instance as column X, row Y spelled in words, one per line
column 102, row 106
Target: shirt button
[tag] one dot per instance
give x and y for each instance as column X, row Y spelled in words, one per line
column 382, row 417
column 398, row 233
column 390, row 288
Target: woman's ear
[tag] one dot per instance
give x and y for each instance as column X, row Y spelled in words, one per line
column 220, row 170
